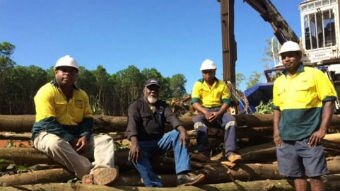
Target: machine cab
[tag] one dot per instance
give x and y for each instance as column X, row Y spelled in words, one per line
column 320, row 31
column 321, row 38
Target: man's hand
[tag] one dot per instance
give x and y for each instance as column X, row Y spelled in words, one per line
column 316, row 137
column 209, row 116
column 134, row 150
column 277, row 139
column 183, row 136
column 80, row 144
column 217, row 115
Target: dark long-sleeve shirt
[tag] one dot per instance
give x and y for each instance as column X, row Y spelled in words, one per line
column 146, row 125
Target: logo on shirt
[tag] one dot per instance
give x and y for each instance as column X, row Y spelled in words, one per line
column 79, row 103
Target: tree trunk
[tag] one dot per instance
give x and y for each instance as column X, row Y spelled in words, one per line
column 216, row 173
column 259, row 153
column 332, row 183
column 334, row 137
column 23, row 123
column 34, row 177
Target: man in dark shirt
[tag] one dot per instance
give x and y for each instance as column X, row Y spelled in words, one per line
column 145, row 129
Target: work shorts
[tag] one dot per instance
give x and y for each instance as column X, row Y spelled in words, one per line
column 297, row 159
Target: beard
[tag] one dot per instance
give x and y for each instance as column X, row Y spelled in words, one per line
column 152, row 99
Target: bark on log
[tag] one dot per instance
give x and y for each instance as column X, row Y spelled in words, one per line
column 332, row 183
column 34, row 177
column 61, row 175
column 30, row 156
column 218, row 173
column 267, row 152
column 16, row 136
column 23, row 123
column 259, row 153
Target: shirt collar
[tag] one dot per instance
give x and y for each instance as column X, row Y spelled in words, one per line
column 300, row 69
column 54, row 82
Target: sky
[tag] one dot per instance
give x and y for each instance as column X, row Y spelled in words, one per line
column 172, row 36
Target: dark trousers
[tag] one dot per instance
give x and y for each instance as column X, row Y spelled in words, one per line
column 226, row 122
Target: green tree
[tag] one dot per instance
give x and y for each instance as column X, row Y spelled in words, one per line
column 6, row 50
column 177, row 86
column 102, row 79
column 271, row 53
column 6, row 70
column 254, row 79
column 239, row 79
column 129, row 86
column 24, row 83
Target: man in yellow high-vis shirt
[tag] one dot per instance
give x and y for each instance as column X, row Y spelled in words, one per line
column 63, row 128
column 303, row 100
column 211, row 98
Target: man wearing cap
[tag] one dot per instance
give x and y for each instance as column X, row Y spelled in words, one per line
column 211, row 98
column 63, row 128
column 303, row 99
column 145, row 129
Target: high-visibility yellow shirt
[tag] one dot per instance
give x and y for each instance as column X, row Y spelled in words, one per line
column 210, row 97
column 51, row 102
column 300, row 98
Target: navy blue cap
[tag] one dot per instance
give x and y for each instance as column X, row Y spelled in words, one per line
column 151, row 81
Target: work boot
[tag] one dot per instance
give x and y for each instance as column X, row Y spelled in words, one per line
column 190, row 179
column 101, row 176
column 233, row 157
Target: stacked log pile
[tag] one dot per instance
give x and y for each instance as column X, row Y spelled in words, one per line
column 258, row 170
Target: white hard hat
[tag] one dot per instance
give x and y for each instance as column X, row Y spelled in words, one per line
column 66, row 61
column 290, row 46
column 208, row 65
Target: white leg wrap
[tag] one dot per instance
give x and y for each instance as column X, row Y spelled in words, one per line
column 229, row 124
column 200, row 125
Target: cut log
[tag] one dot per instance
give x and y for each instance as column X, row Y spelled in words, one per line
column 331, row 146
column 334, row 137
column 23, row 123
column 30, row 156
column 34, row 177
column 259, row 153
column 267, row 152
column 16, row 136
column 332, row 183
column 133, row 179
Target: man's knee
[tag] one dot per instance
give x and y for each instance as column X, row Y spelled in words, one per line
column 229, row 124
column 46, row 141
column 230, row 121
column 57, row 144
column 199, row 126
column 103, row 138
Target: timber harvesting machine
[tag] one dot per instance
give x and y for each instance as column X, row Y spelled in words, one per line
column 320, row 40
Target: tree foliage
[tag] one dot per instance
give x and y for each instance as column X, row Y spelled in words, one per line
column 254, row 79
column 109, row 94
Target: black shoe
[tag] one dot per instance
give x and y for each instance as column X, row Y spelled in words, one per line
column 190, row 179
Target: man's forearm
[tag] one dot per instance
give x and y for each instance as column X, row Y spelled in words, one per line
column 223, row 108
column 277, row 115
column 199, row 108
column 327, row 113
